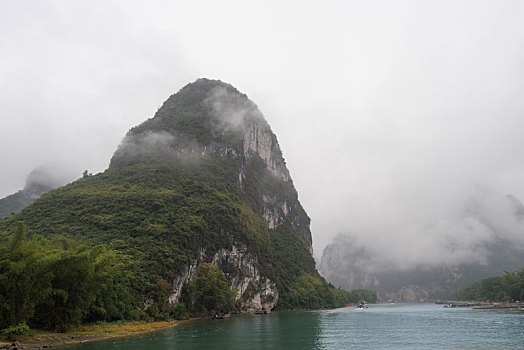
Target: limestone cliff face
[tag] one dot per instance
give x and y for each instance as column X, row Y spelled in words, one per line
column 211, row 121
column 257, row 291
column 259, row 140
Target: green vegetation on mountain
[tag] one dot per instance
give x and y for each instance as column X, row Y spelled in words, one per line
column 508, row 287
column 155, row 214
column 14, row 203
column 195, row 188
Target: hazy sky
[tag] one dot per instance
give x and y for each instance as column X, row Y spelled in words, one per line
column 388, row 113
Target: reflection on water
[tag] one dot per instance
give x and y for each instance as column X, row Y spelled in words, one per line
column 278, row 330
column 289, row 330
column 415, row 326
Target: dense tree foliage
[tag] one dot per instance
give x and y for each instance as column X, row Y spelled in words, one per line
column 210, row 293
column 58, row 283
column 156, row 215
column 310, row 291
column 508, row 287
column 14, row 203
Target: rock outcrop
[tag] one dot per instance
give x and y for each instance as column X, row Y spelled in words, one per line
column 257, row 291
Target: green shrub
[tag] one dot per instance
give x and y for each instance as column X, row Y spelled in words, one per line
column 12, row 332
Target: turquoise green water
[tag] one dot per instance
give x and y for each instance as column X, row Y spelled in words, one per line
column 398, row 326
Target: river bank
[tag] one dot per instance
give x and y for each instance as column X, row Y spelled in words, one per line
column 483, row 305
column 501, row 306
column 38, row 339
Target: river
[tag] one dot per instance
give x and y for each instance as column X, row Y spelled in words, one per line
column 382, row 326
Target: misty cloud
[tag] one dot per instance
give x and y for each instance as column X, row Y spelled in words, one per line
column 504, row 215
column 50, row 175
column 464, row 237
column 147, row 143
column 231, row 109
column 40, row 180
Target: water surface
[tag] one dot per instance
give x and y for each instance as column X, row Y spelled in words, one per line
column 395, row 326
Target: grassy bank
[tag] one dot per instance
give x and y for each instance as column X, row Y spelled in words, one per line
column 37, row 339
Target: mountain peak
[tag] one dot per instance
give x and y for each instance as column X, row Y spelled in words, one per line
column 206, row 118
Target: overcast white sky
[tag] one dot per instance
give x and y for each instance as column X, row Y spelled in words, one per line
column 388, row 112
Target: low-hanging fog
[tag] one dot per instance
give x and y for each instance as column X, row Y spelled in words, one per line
column 392, row 115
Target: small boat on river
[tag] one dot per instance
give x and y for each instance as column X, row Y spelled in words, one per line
column 362, row 305
column 220, row 316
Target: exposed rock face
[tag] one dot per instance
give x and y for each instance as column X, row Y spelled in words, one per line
column 179, row 281
column 275, row 211
column 257, row 291
column 259, row 140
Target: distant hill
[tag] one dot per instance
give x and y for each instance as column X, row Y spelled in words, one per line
column 38, row 182
column 349, row 264
column 204, row 180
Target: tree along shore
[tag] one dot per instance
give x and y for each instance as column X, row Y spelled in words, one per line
column 508, row 287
